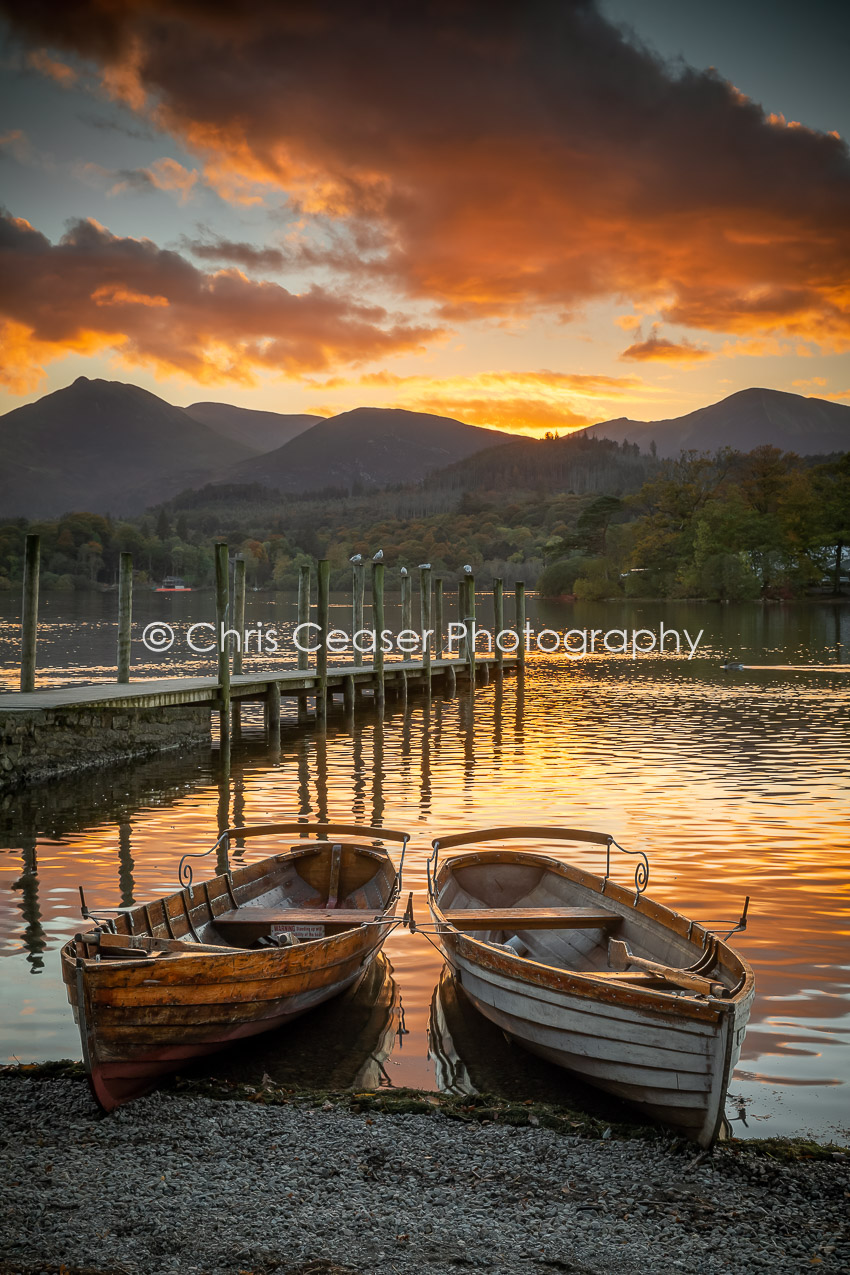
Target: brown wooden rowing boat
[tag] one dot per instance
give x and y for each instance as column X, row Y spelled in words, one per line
column 539, row 947
column 232, row 957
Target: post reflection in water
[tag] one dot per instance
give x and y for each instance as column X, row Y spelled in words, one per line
column 304, row 807
column 733, row 784
column 378, row 774
column 425, row 762
column 33, row 937
column 125, row 864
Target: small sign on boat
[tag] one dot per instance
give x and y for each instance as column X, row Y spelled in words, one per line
column 302, row 932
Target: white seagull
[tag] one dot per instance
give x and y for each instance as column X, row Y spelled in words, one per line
column 424, row 566
column 378, row 557
column 404, row 571
column 468, row 569
column 356, row 557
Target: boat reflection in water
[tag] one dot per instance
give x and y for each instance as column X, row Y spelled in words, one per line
column 471, row 1055
column 343, row 1044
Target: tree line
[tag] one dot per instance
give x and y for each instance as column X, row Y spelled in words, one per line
column 730, row 526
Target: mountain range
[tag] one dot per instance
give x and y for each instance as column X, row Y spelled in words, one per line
column 106, row 446
column 748, row 419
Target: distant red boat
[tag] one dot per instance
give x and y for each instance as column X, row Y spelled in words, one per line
column 173, row 584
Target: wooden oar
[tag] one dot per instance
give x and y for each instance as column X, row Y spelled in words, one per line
column 132, row 946
column 620, row 958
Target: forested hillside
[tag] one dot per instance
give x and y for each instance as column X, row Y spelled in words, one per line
column 728, row 526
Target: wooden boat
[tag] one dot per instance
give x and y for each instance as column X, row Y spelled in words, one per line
column 529, row 938
column 238, row 955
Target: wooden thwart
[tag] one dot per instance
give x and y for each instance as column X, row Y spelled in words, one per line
column 296, row 916
column 532, row 918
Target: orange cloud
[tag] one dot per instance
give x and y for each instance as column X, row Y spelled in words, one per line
column 95, row 291
column 164, row 174
column 24, row 355
column 658, row 349
column 40, row 60
column 506, row 159
column 113, row 294
column 168, row 174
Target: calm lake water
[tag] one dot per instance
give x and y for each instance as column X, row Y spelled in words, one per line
column 734, row 783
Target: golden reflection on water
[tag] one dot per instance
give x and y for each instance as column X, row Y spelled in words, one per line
column 733, row 785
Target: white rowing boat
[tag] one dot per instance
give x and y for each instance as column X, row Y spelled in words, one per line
column 621, row 991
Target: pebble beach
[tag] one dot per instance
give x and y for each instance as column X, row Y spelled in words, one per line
column 203, row 1186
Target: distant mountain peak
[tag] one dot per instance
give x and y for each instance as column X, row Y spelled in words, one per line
column 98, row 444
column 754, row 417
column 368, row 447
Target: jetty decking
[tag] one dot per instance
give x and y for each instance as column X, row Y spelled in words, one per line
column 298, row 683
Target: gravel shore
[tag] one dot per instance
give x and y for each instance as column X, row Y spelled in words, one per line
column 174, row 1183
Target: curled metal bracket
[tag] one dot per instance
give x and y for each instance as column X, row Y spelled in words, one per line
column 184, row 871
column 641, row 869
column 737, row 927
column 101, row 922
column 431, row 867
column 398, row 876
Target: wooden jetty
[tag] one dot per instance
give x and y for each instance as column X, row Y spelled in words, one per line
column 155, row 709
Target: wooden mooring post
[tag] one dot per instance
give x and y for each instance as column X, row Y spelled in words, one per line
column 357, row 606
column 425, row 622
column 498, row 622
column 438, row 618
column 239, row 626
column 378, row 625
column 519, row 593
column 222, row 608
column 305, row 574
column 406, row 608
column 348, row 696
column 323, row 601
column 29, row 611
column 272, row 714
column 125, row 614
column 469, row 621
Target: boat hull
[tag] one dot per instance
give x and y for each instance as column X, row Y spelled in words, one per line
column 668, row 1070
column 130, row 1051
column 668, row 1053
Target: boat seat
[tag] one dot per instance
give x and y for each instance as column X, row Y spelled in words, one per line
column 246, row 915
column 532, row 918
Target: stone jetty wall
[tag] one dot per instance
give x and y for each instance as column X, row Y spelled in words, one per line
column 39, row 744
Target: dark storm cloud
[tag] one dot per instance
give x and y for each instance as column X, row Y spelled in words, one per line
column 246, row 255
column 507, row 157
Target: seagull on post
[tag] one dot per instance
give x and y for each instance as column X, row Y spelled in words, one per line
column 378, row 557
column 467, row 570
column 404, row 571
column 424, row 566
column 355, row 558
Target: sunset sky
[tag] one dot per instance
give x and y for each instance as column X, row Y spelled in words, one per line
column 529, row 216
